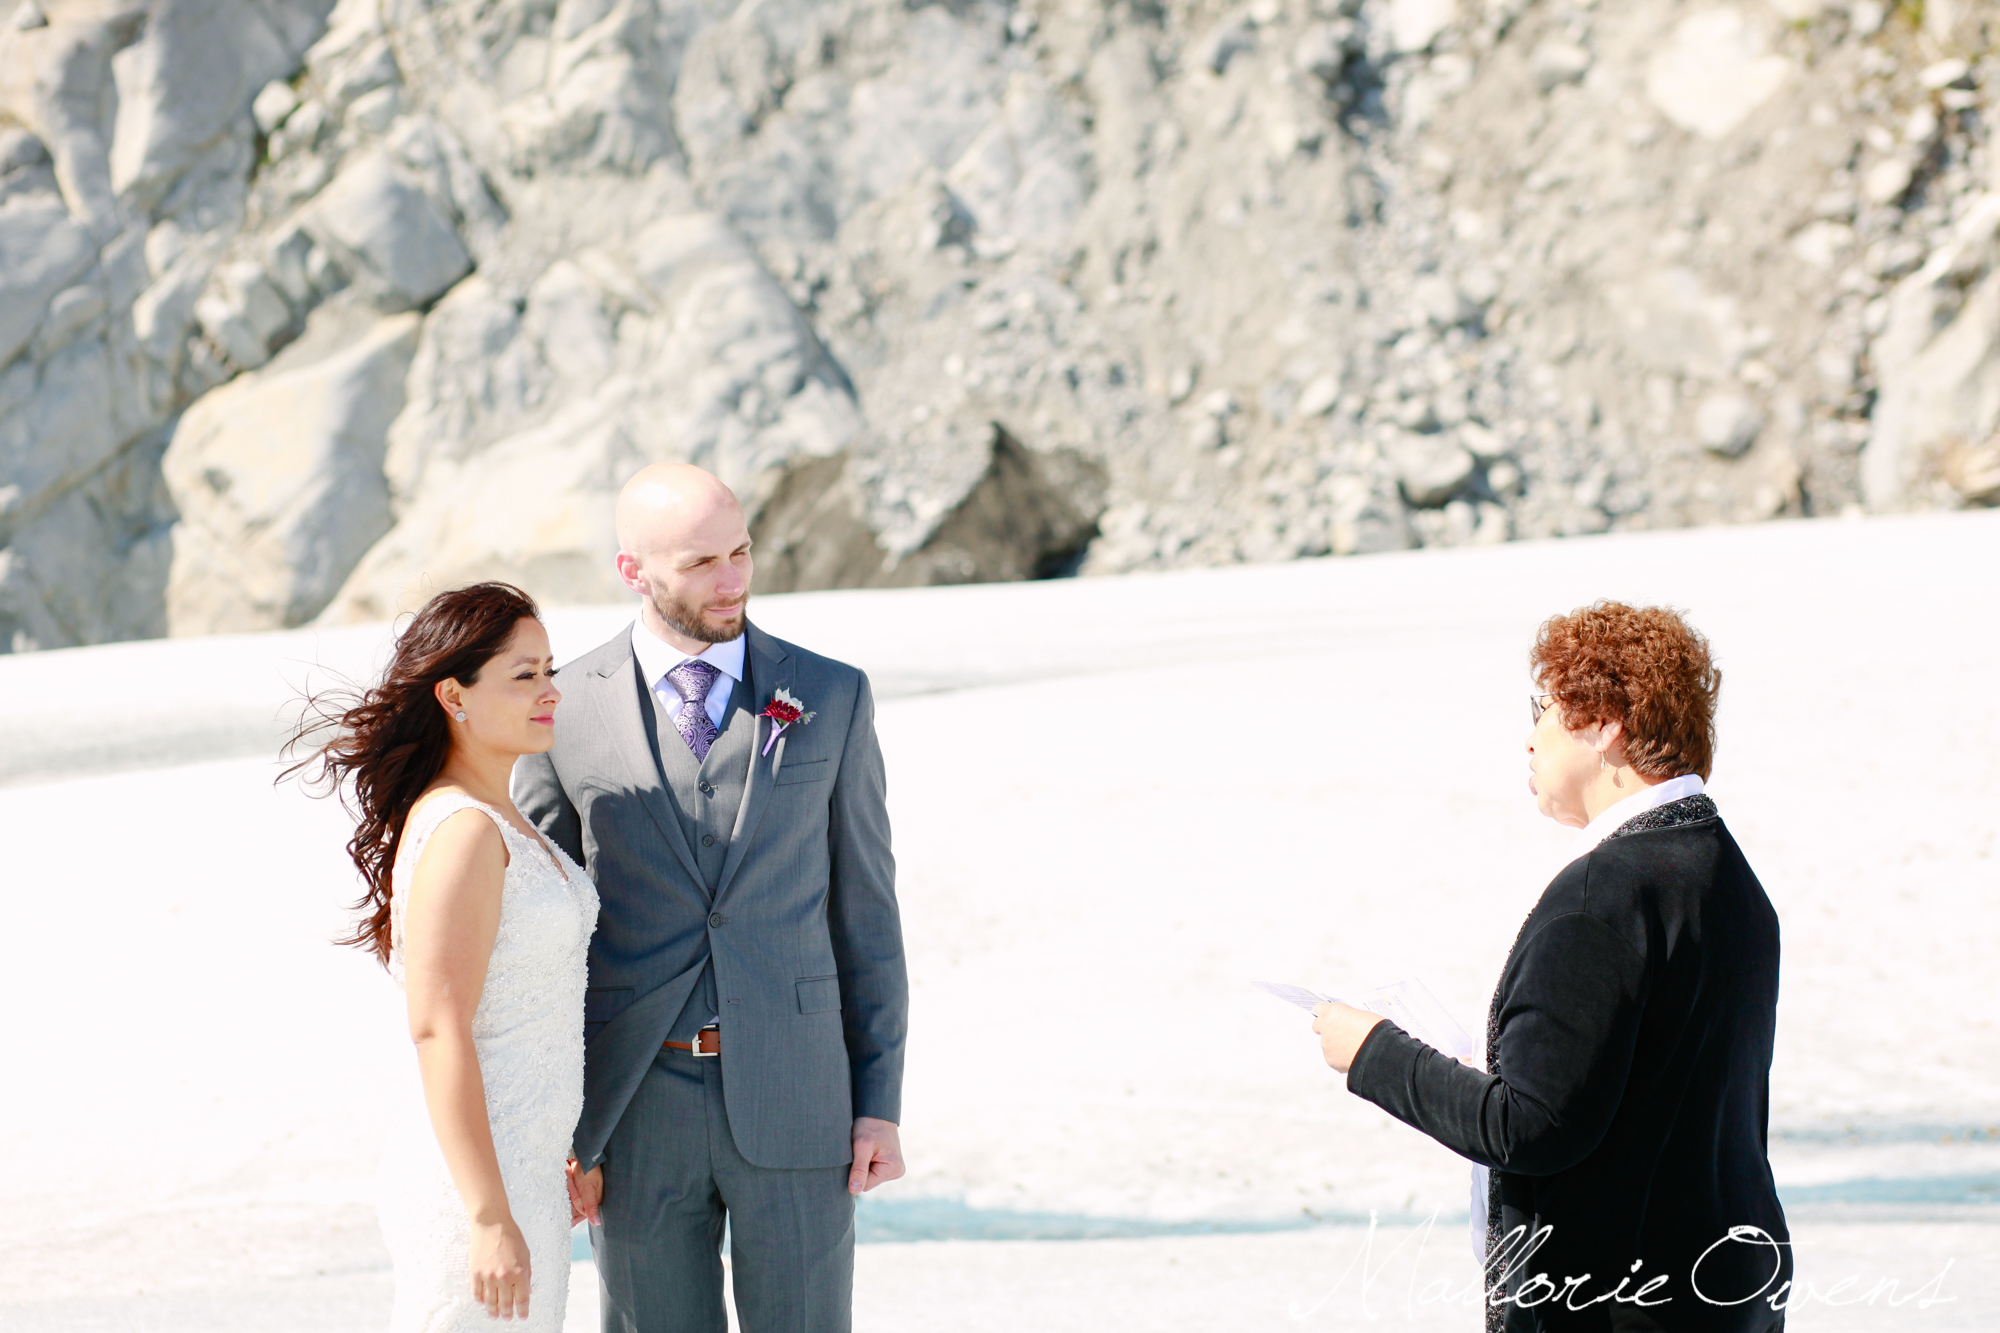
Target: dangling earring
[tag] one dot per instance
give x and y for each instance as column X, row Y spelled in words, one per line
column 460, row 715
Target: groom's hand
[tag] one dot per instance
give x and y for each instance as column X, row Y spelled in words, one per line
column 878, row 1154
column 586, row 1193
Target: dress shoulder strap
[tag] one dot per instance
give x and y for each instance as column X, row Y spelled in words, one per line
column 418, row 826
column 432, row 811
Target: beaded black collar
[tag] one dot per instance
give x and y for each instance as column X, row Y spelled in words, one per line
column 1687, row 810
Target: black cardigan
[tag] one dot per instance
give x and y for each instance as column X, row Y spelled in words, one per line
column 1630, row 1058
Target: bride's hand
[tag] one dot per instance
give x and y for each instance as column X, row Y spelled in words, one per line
column 500, row 1268
column 586, row 1192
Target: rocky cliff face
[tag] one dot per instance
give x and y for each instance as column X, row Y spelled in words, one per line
column 306, row 310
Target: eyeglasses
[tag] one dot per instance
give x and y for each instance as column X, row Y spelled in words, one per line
column 1536, row 707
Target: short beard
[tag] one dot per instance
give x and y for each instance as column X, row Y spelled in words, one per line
column 684, row 618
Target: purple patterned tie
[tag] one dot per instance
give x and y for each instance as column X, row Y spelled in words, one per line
column 692, row 680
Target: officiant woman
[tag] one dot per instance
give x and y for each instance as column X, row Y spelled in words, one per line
column 1623, row 1105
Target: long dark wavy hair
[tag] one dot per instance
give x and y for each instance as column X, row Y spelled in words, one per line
column 380, row 748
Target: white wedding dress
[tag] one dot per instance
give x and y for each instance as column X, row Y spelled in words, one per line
column 528, row 1030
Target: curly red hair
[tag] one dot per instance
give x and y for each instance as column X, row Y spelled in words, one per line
column 1643, row 667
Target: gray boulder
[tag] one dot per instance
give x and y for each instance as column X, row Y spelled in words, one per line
column 1727, row 424
column 1026, row 516
column 1938, row 367
column 397, row 246
column 278, row 477
column 187, row 81
column 1368, row 516
column 1556, row 61
column 1713, row 71
column 244, row 313
column 1430, row 469
column 42, row 251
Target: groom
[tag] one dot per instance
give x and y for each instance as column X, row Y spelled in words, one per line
column 747, row 1005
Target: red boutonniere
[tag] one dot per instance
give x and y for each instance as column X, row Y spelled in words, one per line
column 784, row 710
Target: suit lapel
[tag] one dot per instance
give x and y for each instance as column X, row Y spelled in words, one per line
column 631, row 722
column 770, row 670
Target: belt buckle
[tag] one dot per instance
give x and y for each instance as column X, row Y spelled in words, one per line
column 694, row 1047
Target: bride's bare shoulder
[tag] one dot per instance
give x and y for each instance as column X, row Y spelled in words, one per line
column 472, row 827
column 437, row 789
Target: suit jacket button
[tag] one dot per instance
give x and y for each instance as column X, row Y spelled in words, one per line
column 708, row 840
column 715, row 918
column 707, row 789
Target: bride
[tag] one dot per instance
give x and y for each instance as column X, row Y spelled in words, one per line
column 485, row 927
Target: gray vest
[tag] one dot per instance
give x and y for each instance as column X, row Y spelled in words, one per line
column 706, row 798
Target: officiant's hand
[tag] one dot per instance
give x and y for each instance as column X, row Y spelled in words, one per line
column 500, row 1274
column 878, row 1154
column 1342, row 1028
column 586, row 1193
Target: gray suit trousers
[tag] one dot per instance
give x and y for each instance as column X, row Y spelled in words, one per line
column 659, row 1261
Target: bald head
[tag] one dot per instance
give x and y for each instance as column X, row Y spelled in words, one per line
column 662, row 503
column 684, row 547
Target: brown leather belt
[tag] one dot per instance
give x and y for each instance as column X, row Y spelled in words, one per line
column 708, row 1041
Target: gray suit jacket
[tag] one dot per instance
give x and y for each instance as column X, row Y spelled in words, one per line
column 801, row 923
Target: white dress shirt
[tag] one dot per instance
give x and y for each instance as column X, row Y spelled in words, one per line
column 1638, row 803
column 657, row 657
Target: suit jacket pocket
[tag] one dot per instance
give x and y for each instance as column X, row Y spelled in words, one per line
column 802, row 770
column 601, row 1004
column 817, row 995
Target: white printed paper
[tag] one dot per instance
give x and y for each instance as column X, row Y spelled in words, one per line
column 1298, row 995
column 1408, row 1004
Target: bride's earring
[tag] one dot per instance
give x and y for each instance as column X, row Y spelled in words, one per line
column 460, row 715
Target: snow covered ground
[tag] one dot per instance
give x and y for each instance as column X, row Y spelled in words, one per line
column 1116, row 803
